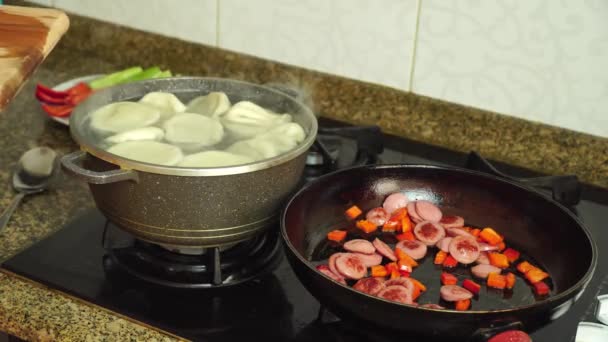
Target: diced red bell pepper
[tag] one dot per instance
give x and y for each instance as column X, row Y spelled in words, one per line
column 471, row 286
column 463, row 305
column 541, row 288
column 406, row 236
column 450, row 262
column 512, row 255
column 366, row 226
column 57, row 111
column 510, row 277
column 392, row 266
column 353, row 212
column 440, row 257
column 336, row 235
column 448, row 279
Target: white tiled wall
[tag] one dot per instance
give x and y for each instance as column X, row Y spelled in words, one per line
column 542, row 60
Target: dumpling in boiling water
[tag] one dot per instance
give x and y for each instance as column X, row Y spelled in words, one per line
column 193, row 131
column 149, row 152
column 272, row 143
column 123, row 116
column 144, row 133
column 213, row 104
column 214, row 159
column 246, row 119
column 167, row 103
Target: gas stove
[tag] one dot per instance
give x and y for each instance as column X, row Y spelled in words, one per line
column 231, row 293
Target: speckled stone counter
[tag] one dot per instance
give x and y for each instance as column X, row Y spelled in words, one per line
column 33, row 312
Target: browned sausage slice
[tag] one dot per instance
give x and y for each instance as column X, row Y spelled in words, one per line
column 451, row 221
column 370, row 260
column 396, row 293
column 326, row 271
column 405, row 282
column 457, row 232
column 332, row 263
column 432, row 306
column 370, row 285
column 453, row 293
column 411, row 211
column 384, row 249
column 483, row 259
column 359, row 246
column 464, row 249
column 484, row 247
column 428, row 211
column 415, row 249
column 395, row 201
column 377, row 216
column 429, row 232
column 350, row 266
column 482, row 271
column 444, row 244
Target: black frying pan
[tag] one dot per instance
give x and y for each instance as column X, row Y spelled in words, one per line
column 541, row 228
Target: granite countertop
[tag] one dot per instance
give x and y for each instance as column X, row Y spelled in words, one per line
column 34, row 312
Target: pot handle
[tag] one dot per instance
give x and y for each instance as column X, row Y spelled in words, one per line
column 72, row 164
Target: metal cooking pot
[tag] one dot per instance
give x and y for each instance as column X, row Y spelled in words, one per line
column 189, row 207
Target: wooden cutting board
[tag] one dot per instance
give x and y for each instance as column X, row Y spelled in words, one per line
column 27, row 35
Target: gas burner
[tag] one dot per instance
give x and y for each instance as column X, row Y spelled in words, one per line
column 191, row 268
column 339, row 147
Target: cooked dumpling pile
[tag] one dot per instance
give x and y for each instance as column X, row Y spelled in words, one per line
column 208, row 132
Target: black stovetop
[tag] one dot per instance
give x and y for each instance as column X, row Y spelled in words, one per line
column 273, row 307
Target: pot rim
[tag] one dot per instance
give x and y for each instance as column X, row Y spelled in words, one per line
column 130, row 164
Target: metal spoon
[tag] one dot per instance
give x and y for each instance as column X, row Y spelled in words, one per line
column 36, row 168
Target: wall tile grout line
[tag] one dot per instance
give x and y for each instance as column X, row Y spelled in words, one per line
column 217, row 23
column 410, row 84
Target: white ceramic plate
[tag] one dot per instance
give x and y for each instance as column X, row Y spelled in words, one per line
column 591, row 332
column 68, row 84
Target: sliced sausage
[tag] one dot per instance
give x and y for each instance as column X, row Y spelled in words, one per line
column 396, row 293
column 401, row 281
column 411, row 211
column 332, row 262
column 327, row 272
column 428, row 211
column 432, row 306
column 457, row 232
column 370, row 285
column 454, row 293
column 429, row 233
column 384, row 249
column 444, row 244
column 395, row 201
column 451, row 221
column 370, row 260
column 483, row 259
column 464, row 249
column 415, row 249
column 483, row 270
column 484, row 247
column 350, row 266
column 359, row 246
column 511, row 336
column 377, row 216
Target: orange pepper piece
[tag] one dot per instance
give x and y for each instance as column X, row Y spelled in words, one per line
column 475, row 232
column 497, row 281
column 391, row 226
column 418, row 284
column 379, row 271
column 391, row 266
column 406, row 225
column 395, row 274
column 536, row 275
column 440, row 257
column 463, row 305
column 402, row 256
column 498, row 260
column 353, row 212
column 336, row 235
column 366, row 226
column 406, row 236
column 524, row 267
column 501, row 246
column 510, row 278
column 399, row 214
column 490, row 236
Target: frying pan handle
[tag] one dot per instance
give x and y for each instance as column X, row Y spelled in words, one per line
column 72, row 164
column 565, row 189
